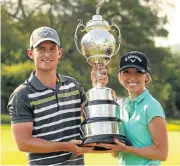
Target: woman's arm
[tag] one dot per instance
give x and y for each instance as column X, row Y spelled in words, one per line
column 157, row 151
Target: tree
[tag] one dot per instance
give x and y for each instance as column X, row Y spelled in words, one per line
column 138, row 20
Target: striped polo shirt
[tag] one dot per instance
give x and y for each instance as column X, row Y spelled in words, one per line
column 55, row 114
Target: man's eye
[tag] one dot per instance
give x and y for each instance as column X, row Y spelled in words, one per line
column 53, row 49
column 39, row 48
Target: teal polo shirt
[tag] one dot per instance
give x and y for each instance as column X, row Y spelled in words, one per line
column 141, row 111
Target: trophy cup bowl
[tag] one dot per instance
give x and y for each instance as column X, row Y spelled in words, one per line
column 111, row 126
column 102, row 122
column 109, row 109
column 94, row 50
column 103, row 94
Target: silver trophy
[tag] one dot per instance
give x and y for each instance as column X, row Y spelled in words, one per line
column 102, row 121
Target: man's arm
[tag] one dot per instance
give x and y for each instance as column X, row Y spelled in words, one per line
column 26, row 142
column 103, row 77
column 22, row 126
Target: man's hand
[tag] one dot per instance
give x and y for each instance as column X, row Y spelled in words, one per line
column 114, row 154
column 101, row 72
column 77, row 149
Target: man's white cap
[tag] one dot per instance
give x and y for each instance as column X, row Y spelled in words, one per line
column 43, row 34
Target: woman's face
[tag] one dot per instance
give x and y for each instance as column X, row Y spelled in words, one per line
column 133, row 80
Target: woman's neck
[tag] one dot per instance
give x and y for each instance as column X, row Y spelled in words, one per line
column 48, row 78
column 133, row 95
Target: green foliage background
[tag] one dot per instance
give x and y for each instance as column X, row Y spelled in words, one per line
column 139, row 21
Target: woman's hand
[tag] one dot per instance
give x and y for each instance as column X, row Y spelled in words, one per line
column 118, row 146
column 101, row 72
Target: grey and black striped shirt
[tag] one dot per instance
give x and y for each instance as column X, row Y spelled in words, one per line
column 55, row 114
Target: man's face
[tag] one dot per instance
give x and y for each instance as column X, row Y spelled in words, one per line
column 45, row 55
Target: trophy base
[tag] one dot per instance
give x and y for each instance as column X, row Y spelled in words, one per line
column 105, row 139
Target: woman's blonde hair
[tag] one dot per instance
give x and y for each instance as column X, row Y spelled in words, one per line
column 147, row 82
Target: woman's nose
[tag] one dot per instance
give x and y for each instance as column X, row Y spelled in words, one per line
column 132, row 74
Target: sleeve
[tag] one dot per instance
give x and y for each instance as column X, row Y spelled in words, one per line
column 82, row 93
column 19, row 109
column 80, row 88
column 154, row 110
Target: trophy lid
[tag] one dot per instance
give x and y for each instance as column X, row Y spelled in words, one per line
column 97, row 22
column 97, row 45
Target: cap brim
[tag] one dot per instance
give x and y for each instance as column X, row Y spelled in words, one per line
column 132, row 66
column 45, row 39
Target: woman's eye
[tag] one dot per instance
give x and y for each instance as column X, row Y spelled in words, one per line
column 139, row 71
column 125, row 71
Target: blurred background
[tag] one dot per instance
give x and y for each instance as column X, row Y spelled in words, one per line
column 150, row 26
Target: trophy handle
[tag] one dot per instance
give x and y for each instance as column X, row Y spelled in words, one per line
column 113, row 24
column 75, row 35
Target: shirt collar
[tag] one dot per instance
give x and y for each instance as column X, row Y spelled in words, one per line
column 33, row 80
column 141, row 96
column 62, row 78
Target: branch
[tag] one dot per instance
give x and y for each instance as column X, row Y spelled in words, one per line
column 22, row 8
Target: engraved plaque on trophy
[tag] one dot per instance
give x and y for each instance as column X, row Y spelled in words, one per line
column 102, row 122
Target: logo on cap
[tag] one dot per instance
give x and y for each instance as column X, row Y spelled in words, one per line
column 133, row 58
column 45, row 32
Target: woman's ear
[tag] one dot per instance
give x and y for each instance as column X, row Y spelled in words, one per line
column 30, row 53
column 147, row 78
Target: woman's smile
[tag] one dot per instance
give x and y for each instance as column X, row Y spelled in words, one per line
column 132, row 83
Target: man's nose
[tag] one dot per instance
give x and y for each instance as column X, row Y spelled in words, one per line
column 47, row 53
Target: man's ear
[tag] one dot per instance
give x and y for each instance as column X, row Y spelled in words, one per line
column 60, row 52
column 30, row 53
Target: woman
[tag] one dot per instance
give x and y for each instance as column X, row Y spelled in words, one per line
column 146, row 125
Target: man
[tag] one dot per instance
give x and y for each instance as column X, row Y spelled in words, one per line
column 45, row 110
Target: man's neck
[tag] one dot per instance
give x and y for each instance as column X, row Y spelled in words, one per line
column 48, row 78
